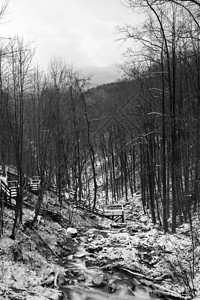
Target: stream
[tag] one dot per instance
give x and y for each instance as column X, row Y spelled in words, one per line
column 94, row 283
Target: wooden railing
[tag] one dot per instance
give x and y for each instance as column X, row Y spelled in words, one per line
column 114, row 211
column 5, row 189
column 34, row 185
column 13, row 186
column 8, row 194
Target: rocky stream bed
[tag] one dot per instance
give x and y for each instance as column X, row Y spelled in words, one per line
column 98, row 280
column 92, row 258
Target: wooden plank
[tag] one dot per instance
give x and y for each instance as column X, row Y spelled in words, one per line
column 113, row 212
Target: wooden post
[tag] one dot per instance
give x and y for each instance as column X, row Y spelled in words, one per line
column 122, row 216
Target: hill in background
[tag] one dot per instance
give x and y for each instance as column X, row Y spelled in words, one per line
column 101, row 75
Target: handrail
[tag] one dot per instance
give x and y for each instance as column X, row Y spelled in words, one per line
column 5, row 188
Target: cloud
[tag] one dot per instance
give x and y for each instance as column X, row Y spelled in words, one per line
column 80, row 31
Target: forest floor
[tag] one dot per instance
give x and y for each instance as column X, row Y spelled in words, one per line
column 34, row 265
column 29, row 263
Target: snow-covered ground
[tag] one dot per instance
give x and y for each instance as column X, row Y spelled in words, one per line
column 171, row 260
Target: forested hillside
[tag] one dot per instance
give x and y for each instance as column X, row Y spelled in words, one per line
column 139, row 134
column 100, row 186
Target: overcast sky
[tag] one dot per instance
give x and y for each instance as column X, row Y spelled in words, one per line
column 82, row 32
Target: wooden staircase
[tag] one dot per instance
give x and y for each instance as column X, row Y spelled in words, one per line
column 8, row 194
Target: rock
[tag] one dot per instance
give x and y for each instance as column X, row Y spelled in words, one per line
column 112, row 287
column 92, row 216
column 118, row 225
column 53, row 294
column 14, row 296
column 99, row 280
column 146, row 282
column 103, row 262
column 56, row 296
column 91, row 263
column 76, row 272
column 31, row 297
column 79, row 255
column 93, row 249
column 70, row 257
column 81, row 277
column 146, row 228
column 67, row 249
column 65, row 260
column 98, row 237
column 48, row 281
column 59, row 278
column 71, row 232
column 156, row 226
column 144, row 219
column 133, row 231
column 91, row 236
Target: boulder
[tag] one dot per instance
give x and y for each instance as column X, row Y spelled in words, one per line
column 71, row 232
column 94, row 248
column 53, row 295
column 99, row 280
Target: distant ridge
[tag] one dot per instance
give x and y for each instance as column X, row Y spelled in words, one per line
column 101, row 75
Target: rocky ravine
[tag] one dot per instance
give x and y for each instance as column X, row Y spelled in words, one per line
column 37, row 264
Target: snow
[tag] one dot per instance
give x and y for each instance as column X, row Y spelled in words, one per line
column 137, row 245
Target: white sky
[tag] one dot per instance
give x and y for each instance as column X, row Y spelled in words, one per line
column 82, row 32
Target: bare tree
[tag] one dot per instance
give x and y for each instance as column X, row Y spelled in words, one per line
column 16, row 82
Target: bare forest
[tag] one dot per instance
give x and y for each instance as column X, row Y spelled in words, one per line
column 95, row 146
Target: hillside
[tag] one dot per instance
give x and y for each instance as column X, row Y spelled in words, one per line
column 71, row 254
column 101, row 75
